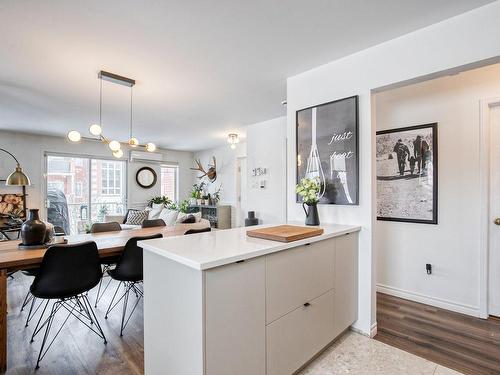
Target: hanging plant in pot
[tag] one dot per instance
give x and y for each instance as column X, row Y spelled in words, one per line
column 309, row 190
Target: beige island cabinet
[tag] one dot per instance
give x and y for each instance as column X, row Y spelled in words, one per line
column 223, row 303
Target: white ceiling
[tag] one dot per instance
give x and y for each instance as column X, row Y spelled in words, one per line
column 204, row 68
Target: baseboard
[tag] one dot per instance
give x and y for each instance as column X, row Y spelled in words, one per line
column 432, row 301
column 373, row 330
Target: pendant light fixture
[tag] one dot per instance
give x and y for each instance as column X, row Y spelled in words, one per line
column 232, row 139
column 96, row 129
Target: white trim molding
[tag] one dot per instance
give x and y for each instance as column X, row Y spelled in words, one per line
column 431, row 301
column 484, row 181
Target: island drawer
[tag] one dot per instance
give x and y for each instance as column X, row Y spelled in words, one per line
column 296, row 337
column 298, row 275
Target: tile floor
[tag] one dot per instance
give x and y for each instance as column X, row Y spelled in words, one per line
column 356, row 354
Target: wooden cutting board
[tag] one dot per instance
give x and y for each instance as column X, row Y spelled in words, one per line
column 285, row 233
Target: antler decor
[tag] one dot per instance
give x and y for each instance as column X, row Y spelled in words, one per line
column 212, row 170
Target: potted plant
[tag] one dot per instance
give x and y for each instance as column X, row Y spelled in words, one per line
column 206, row 199
column 216, row 196
column 183, row 207
column 196, row 193
column 308, row 189
column 160, row 199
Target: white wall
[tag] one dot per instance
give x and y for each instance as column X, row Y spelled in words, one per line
column 29, row 150
column 266, row 148
column 226, row 171
column 452, row 247
column 465, row 39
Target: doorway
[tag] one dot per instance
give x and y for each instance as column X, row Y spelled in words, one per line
column 241, row 191
column 494, row 210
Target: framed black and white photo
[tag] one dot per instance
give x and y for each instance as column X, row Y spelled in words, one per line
column 407, row 171
column 327, row 147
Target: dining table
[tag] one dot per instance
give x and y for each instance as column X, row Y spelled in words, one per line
column 13, row 259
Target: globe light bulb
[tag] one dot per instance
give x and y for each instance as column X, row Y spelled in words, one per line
column 114, row 145
column 74, row 136
column 95, row 129
column 118, row 153
column 233, row 146
column 133, row 142
column 150, row 147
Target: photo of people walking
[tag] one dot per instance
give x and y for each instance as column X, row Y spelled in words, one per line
column 407, row 174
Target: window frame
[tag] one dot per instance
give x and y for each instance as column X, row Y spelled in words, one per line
column 176, row 179
column 113, row 185
column 91, row 157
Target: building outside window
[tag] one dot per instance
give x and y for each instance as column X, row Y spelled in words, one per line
column 169, row 181
column 111, row 182
column 86, row 188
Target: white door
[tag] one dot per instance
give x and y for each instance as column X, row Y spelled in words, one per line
column 494, row 248
column 241, row 191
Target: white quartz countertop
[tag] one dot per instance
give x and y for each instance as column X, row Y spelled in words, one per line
column 220, row 247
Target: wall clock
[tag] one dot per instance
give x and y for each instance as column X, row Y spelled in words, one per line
column 146, row 177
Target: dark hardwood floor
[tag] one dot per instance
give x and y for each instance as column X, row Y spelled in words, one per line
column 467, row 344
column 76, row 350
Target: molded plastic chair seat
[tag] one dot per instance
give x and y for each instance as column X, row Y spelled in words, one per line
column 105, row 227
column 129, row 271
column 66, row 274
column 153, row 223
column 67, row 270
column 195, row 231
column 129, row 266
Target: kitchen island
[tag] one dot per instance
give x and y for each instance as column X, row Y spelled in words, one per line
column 223, row 303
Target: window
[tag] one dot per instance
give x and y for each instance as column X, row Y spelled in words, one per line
column 169, row 179
column 111, row 181
column 82, row 190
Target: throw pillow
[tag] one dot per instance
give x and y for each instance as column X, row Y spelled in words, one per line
column 155, row 211
column 182, row 215
column 136, row 217
column 189, row 219
column 168, row 216
column 197, row 217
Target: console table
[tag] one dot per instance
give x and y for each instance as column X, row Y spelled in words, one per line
column 218, row 215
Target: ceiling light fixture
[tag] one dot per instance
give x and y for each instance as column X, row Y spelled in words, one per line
column 96, row 129
column 232, row 139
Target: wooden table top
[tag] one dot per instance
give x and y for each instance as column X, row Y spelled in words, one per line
column 108, row 243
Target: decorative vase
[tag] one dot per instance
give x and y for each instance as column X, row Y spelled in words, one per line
column 33, row 230
column 207, row 202
column 312, row 216
column 192, row 201
column 199, row 202
column 251, row 219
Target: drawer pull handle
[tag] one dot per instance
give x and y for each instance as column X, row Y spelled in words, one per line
column 240, row 261
column 307, row 304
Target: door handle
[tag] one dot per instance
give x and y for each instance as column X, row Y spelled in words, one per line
column 497, row 221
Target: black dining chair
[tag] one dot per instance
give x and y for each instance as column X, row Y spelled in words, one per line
column 66, row 274
column 129, row 272
column 106, row 263
column 195, row 231
column 153, row 223
column 105, row 227
column 58, row 231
